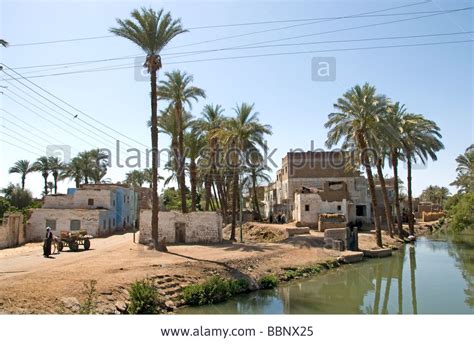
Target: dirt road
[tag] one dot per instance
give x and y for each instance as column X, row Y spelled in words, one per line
column 30, row 283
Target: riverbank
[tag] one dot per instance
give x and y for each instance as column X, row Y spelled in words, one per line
column 31, row 284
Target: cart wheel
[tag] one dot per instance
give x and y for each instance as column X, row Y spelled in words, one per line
column 73, row 246
column 87, row 244
column 60, row 246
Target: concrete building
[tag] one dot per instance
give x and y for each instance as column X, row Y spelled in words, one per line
column 176, row 227
column 100, row 209
column 326, row 172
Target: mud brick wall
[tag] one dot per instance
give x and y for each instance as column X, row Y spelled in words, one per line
column 200, row 227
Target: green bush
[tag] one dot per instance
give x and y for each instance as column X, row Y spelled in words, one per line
column 461, row 212
column 89, row 305
column 214, row 290
column 144, row 298
column 268, row 281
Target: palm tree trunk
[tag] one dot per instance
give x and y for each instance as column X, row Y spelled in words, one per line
column 370, row 178
column 235, row 194
column 45, row 177
column 397, row 193
column 55, row 176
column 411, row 226
column 154, row 164
column 386, row 202
column 23, row 178
column 182, row 158
column 193, row 176
column 255, row 197
column 216, row 202
column 207, row 188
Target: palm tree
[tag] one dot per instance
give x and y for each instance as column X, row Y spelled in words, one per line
column 195, row 142
column 23, row 167
column 135, row 178
column 42, row 165
column 239, row 134
column 148, row 176
column 465, row 169
column 56, row 167
column 257, row 173
column 212, row 119
column 94, row 165
column 73, row 170
column 177, row 89
column 421, row 140
column 357, row 122
column 435, row 194
column 395, row 114
column 151, row 31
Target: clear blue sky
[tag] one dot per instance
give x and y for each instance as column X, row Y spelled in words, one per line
column 436, row 81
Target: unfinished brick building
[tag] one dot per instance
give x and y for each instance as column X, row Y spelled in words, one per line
column 334, row 188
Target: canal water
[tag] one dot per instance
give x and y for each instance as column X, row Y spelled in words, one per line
column 431, row 276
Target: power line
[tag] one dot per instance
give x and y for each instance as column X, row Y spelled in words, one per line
column 121, row 67
column 362, row 15
column 62, row 116
column 74, row 108
column 28, row 131
column 357, row 27
column 65, row 65
column 42, row 117
column 20, row 134
column 19, row 147
column 293, row 26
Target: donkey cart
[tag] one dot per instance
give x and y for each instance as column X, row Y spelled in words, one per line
column 74, row 239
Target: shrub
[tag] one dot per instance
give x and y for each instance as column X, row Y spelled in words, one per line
column 89, row 305
column 268, row 281
column 214, row 290
column 144, row 298
column 461, row 212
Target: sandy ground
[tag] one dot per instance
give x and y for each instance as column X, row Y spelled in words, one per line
column 30, row 283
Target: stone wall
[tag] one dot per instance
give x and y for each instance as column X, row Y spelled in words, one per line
column 431, row 216
column 12, row 231
column 200, row 227
column 95, row 222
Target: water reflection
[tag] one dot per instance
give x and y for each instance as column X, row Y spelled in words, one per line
column 441, row 272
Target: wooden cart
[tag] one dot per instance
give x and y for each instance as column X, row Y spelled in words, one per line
column 74, row 239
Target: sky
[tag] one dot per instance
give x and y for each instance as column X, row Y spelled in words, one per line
column 113, row 104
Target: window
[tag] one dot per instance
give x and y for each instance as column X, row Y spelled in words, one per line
column 51, row 223
column 75, row 224
column 90, row 202
column 105, row 224
column 306, row 207
column 361, row 210
column 113, row 222
column 124, row 199
column 338, row 207
column 113, row 202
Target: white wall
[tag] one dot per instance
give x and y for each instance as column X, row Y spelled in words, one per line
column 90, row 221
column 201, row 227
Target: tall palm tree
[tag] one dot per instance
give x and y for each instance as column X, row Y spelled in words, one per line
column 195, row 143
column 23, row 167
column 359, row 112
column 212, row 119
column 395, row 114
column 151, row 31
column 421, row 140
column 94, row 165
column 167, row 125
column 239, row 134
column 177, row 89
column 43, row 166
column 257, row 173
column 56, row 166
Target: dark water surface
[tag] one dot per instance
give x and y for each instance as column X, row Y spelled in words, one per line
column 432, row 276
